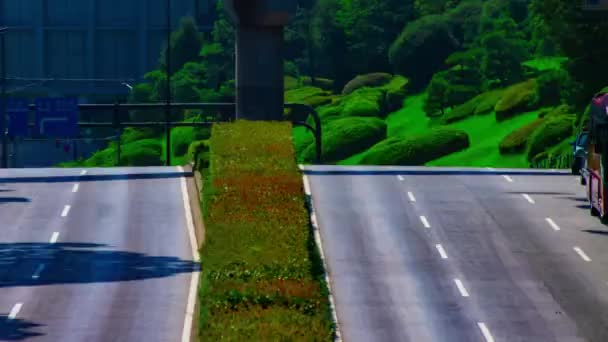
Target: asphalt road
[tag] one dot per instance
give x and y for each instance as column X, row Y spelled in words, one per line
column 94, row 255
column 436, row 254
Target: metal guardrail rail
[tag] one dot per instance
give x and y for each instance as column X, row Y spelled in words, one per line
column 223, row 108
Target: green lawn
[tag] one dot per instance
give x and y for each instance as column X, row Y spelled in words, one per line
column 484, row 132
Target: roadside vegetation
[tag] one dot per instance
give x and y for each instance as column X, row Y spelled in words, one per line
column 262, row 276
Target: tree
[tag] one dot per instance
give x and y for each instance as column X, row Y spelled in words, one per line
column 438, row 96
column 501, row 62
column 185, row 45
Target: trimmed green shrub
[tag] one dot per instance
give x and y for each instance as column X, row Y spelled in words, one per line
column 345, row 137
column 554, row 111
column 364, row 102
column 516, row 141
column 131, row 134
column 518, row 98
column 323, row 83
column 290, row 82
column 549, row 134
column 311, row 96
column 417, row 150
column 480, row 104
column 368, row 80
column 396, row 91
column 145, row 152
column 182, row 137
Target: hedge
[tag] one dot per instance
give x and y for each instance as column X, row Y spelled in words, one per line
column 198, row 152
column 396, row 91
column 516, row 141
column 417, row 150
column 519, row 98
column 323, row 83
column 550, row 133
column 480, row 104
column 262, row 278
column 345, row 137
column 311, row 96
column 368, row 80
column 364, row 102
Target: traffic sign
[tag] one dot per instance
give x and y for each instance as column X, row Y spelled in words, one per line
column 57, row 117
column 17, row 111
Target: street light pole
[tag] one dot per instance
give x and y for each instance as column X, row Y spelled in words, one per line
column 168, row 62
column 3, row 122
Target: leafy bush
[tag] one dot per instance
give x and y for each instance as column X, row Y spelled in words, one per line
column 480, row 104
column 369, row 80
column 396, row 91
column 290, row 83
column 323, row 83
column 182, row 137
column 554, row 111
column 516, row 99
column 131, row 134
column 516, row 141
column 311, row 96
column 345, row 137
column 145, row 152
column 364, row 102
column 417, row 150
column 550, row 86
column 552, row 132
column 198, row 152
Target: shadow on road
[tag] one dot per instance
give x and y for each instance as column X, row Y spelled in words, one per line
column 16, row 329
column 73, row 263
column 540, row 193
column 578, row 199
column 14, row 200
column 595, row 231
column 94, row 178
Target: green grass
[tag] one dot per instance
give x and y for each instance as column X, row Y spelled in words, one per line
column 262, row 278
column 546, row 63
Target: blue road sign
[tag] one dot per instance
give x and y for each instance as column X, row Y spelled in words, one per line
column 57, row 117
column 17, row 111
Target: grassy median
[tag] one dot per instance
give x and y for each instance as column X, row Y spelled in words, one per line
column 262, row 276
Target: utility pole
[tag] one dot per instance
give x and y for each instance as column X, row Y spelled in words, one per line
column 3, row 122
column 168, row 62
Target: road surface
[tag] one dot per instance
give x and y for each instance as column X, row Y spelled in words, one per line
column 440, row 254
column 94, row 255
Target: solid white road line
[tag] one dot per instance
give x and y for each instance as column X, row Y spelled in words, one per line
column 528, row 198
column 582, row 254
column 552, row 224
column 194, row 279
column 509, row 179
column 442, row 252
column 400, row 177
column 65, row 211
column 491, row 168
column 83, row 172
column 411, row 196
column 461, row 288
column 485, row 331
column 75, row 188
column 54, row 237
column 15, row 310
column 39, row 270
column 425, row 222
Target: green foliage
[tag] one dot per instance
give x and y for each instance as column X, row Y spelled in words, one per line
column 439, row 93
column 480, row 104
column 321, row 82
column 182, row 137
column 421, row 49
column 396, row 91
column 185, row 45
column 517, row 99
column 551, row 133
column 146, row 152
column 311, row 96
column 364, row 102
column 131, row 134
column 290, row 69
column 517, row 140
column 290, row 83
column 417, row 150
column 345, row 137
column 552, row 86
column 369, row 80
column 501, row 62
column 555, row 111
column 198, row 152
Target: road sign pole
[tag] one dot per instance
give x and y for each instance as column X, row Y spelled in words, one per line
column 168, row 61
column 3, row 96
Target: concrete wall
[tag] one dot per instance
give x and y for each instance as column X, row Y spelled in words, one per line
column 89, row 39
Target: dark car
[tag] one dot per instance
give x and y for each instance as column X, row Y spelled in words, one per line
column 579, row 150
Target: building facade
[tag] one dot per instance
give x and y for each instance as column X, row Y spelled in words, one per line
column 78, row 47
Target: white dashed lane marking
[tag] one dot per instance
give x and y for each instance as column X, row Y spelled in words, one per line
column 509, row 179
column 552, row 224
column 15, row 311
column 528, row 198
column 411, row 196
column 65, row 211
column 441, row 251
column 425, row 222
column 75, row 187
column 582, row 254
column 463, row 291
column 54, row 237
column 485, row 331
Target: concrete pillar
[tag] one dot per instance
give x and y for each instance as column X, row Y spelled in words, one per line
column 259, row 56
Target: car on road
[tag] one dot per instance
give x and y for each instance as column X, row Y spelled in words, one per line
column 579, row 151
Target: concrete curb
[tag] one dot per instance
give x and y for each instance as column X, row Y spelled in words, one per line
column 319, row 242
column 194, row 185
